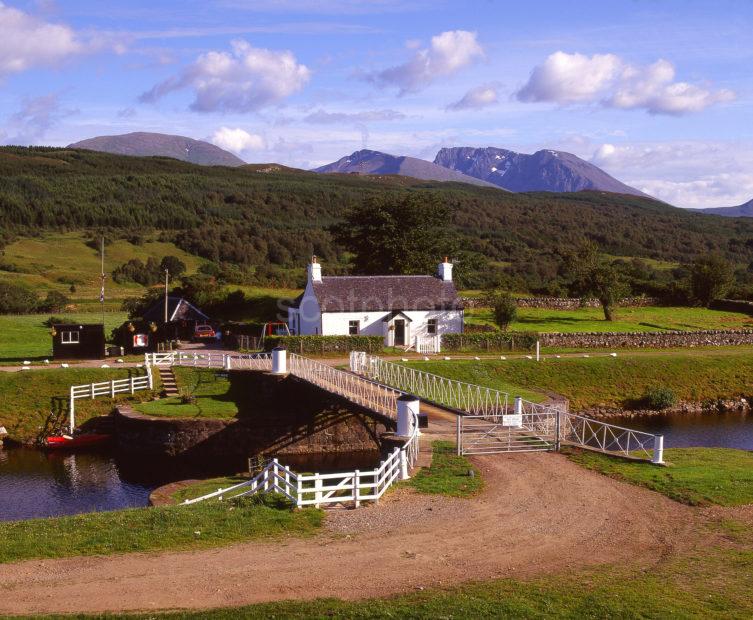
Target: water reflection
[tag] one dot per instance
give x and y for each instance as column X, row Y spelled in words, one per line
column 712, row 430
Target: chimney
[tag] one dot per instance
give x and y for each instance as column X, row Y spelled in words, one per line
column 445, row 270
column 315, row 270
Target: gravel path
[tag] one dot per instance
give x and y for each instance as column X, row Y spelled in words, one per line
column 538, row 513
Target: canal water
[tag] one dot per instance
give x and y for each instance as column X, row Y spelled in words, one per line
column 711, row 430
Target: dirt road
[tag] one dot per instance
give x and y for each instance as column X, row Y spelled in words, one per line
column 538, row 513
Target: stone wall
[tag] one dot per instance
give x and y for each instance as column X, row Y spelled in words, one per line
column 659, row 340
column 562, row 303
column 288, row 416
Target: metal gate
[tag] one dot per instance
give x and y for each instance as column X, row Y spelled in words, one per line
column 523, row 431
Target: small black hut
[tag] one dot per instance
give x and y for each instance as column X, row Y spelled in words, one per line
column 71, row 341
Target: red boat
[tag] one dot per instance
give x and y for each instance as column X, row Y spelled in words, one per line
column 79, row 441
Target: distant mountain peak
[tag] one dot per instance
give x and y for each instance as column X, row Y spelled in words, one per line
column 545, row 170
column 371, row 162
column 145, row 144
column 743, row 210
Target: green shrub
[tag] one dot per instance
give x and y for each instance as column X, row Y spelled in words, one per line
column 505, row 310
column 659, row 398
column 491, row 341
column 325, row 344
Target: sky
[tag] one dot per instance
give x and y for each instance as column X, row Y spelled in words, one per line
column 659, row 93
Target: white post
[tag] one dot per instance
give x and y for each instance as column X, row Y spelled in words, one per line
column 275, row 473
column 658, row 450
column 299, row 493
column 131, row 382
column 266, row 479
column 356, row 482
column 538, row 351
column 279, row 361
column 404, row 475
column 317, row 491
column 352, row 361
column 149, row 375
column 407, row 409
column 72, row 412
column 438, row 344
column 518, row 405
column 458, row 434
column 228, row 363
column 112, row 388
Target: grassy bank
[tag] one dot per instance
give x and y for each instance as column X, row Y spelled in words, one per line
column 696, row 476
column 449, row 474
column 648, row 319
column 26, row 337
column 211, row 393
column 607, row 381
column 32, row 402
column 207, row 524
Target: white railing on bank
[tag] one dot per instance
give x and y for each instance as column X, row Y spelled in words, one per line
column 227, row 361
column 129, row 385
column 322, row 489
column 554, row 426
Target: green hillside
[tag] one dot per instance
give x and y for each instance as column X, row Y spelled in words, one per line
column 273, row 217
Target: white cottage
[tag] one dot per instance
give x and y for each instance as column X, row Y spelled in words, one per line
column 404, row 310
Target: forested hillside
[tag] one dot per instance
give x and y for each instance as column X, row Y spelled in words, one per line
column 261, row 215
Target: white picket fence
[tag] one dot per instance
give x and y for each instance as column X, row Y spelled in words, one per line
column 109, row 389
column 428, row 344
column 352, row 487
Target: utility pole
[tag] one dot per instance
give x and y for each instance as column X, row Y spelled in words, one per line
column 167, row 276
column 102, row 289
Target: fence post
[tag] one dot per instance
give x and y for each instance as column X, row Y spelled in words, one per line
column 317, row 491
column 557, row 426
column 149, row 376
column 279, row 361
column 356, row 483
column 131, row 382
column 112, row 388
column 538, row 351
column 299, row 493
column 228, row 363
column 458, row 435
column 658, row 450
column 266, row 478
column 72, row 412
column 404, row 475
column 91, row 390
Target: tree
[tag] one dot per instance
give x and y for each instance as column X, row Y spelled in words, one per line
column 710, row 278
column 174, row 265
column 136, row 306
column 54, row 302
column 592, row 276
column 405, row 234
column 505, row 309
column 16, row 299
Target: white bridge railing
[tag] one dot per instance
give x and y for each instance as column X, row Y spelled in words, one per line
column 322, row 489
column 90, row 391
column 544, row 426
column 241, row 361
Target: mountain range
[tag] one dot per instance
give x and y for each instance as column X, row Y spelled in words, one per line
column 548, row 171
column 145, row 144
column 743, row 210
column 377, row 163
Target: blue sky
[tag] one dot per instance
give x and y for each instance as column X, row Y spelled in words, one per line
column 658, row 93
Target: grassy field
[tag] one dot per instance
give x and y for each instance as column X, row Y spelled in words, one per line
column 448, row 474
column 34, row 402
column 696, row 476
column 611, row 382
column 649, row 319
column 206, row 524
column 26, row 337
column 54, row 261
column 210, row 391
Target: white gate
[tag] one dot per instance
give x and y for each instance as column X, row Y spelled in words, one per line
column 428, row 344
column 524, row 429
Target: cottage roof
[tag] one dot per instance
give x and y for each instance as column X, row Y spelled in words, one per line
column 373, row 293
column 178, row 309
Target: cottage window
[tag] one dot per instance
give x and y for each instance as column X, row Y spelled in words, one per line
column 354, row 328
column 431, row 327
column 69, row 337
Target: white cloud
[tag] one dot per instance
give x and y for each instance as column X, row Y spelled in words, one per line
column 35, row 118
column 448, row 53
column 476, row 98
column 28, row 42
column 245, row 80
column 605, row 78
column 685, row 174
column 238, row 140
column 323, row 117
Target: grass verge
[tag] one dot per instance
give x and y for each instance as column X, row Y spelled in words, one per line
column 610, row 382
column 449, row 474
column 207, row 524
column 695, row 476
column 204, row 487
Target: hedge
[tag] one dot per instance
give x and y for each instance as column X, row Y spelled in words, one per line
column 325, row 344
column 496, row 341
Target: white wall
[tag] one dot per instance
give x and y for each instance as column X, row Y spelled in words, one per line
column 371, row 323
column 306, row 319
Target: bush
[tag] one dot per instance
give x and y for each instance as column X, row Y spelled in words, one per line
column 493, row 341
column 505, row 310
column 54, row 302
column 16, row 299
column 325, row 344
column 659, row 398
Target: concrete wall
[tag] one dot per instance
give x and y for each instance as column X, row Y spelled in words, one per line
column 284, row 416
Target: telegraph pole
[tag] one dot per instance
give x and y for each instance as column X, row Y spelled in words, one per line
column 167, row 276
column 102, row 289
